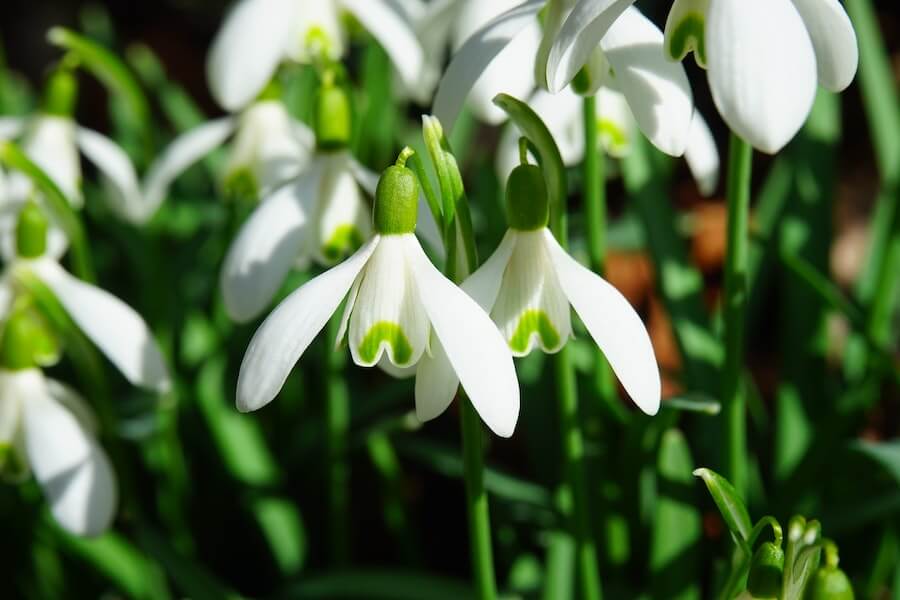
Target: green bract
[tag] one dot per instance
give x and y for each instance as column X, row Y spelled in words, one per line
column 396, row 200
column 527, row 207
column 31, row 232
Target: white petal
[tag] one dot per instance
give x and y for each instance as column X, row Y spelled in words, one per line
column 342, row 218
column 12, row 400
column 616, row 123
column 484, row 284
column 118, row 171
column 657, row 89
column 531, row 309
column 580, row 34
column 265, row 248
column 11, row 127
column 475, row 349
column 287, row 332
column 702, row 156
column 7, row 295
column 686, row 25
column 436, row 383
column 317, row 33
column 50, row 144
column 112, row 325
column 184, row 151
column 394, row 35
column 834, row 40
column 247, row 50
column 394, row 371
column 761, row 69
column 470, row 62
column 73, row 470
column 615, row 326
column 75, row 404
column 388, row 316
column 432, row 26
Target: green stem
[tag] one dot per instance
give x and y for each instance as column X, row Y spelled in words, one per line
column 337, row 416
column 734, row 301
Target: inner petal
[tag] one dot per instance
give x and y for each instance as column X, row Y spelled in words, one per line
column 343, row 219
column 388, row 316
column 531, row 309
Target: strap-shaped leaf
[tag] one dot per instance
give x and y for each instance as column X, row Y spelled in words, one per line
column 729, row 503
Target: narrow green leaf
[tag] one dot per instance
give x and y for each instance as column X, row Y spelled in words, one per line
column 697, row 403
column 729, row 503
column 886, row 454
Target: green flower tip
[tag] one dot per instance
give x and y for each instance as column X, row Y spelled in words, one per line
column 527, row 206
column 688, row 35
column 31, row 231
column 60, row 93
column 766, row 571
column 397, row 198
column 333, row 117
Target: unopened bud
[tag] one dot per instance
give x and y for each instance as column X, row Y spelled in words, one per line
column 829, row 583
column 766, row 571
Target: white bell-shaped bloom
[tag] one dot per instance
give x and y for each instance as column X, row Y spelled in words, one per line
column 269, row 147
column 563, row 115
column 321, row 215
column 258, row 35
column 764, row 59
column 618, row 47
column 399, row 308
column 53, row 143
column 50, row 430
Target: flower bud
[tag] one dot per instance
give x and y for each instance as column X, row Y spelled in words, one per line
column 527, row 206
column 333, row 117
column 60, row 93
column 829, row 583
column 31, row 231
column 397, row 199
column 766, row 570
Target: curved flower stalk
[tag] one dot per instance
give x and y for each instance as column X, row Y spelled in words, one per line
column 528, row 285
column 258, row 35
column 399, row 306
column 53, row 140
column 764, row 59
column 616, row 127
column 610, row 42
column 268, row 148
column 47, row 429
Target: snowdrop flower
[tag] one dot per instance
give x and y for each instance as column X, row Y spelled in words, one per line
column 268, row 148
column 562, row 113
column 48, row 429
column 117, row 330
column 764, row 58
column 52, row 140
column 529, row 284
column 612, row 43
column 399, row 307
column 259, row 34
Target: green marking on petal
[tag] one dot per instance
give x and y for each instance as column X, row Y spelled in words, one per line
column 317, row 42
column 689, row 35
column 534, row 321
column 392, row 335
column 614, row 138
column 241, row 184
column 345, row 240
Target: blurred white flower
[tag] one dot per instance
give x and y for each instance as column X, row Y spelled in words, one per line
column 764, row 59
column 258, row 35
column 47, row 429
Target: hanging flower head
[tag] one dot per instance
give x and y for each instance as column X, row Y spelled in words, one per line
column 259, row 34
column 529, row 284
column 399, row 306
column 764, row 58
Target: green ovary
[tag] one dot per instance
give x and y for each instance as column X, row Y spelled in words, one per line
column 344, row 240
column 241, row 184
column 534, row 321
column 392, row 335
column 689, row 35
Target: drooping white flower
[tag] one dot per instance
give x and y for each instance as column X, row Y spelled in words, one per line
column 528, row 285
column 616, row 45
column 268, row 148
column 399, row 307
column 258, row 35
column 764, row 59
column 48, row 429
column 563, row 115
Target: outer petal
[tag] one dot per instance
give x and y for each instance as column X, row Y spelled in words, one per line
column 50, row 143
column 123, row 188
column 484, row 284
column 657, row 89
column 436, row 383
column 394, row 35
column 475, row 349
column 285, row 334
column 580, row 34
column 247, row 50
column 184, row 151
column 702, row 156
column 834, row 40
column 762, row 69
column 116, row 328
column 614, row 325
column 479, row 51
column 11, row 127
column 72, row 469
column 265, row 248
